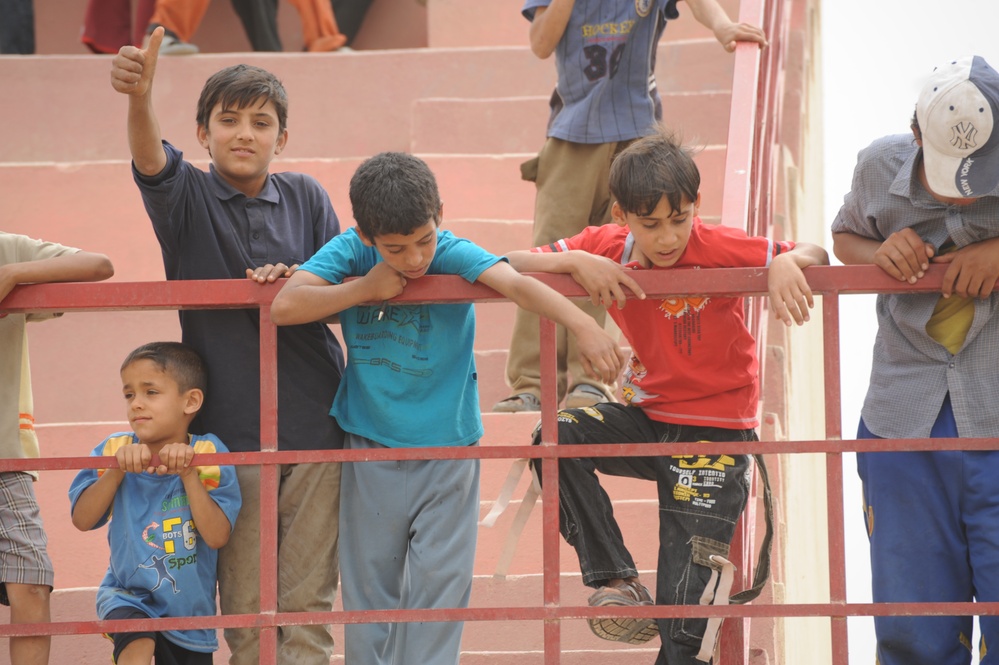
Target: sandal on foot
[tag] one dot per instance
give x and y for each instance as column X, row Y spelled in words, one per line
column 583, row 395
column 621, row 629
column 518, row 403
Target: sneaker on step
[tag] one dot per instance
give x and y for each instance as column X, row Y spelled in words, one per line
column 518, row 403
column 619, row 629
column 171, row 44
column 583, row 395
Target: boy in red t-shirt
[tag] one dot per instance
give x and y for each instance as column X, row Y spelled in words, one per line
column 693, row 377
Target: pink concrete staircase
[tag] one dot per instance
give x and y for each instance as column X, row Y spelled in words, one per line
column 464, row 93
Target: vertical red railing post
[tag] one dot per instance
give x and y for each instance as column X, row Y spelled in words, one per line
column 742, row 123
column 268, row 485
column 738, row 210
column 549, row 492
column 834, row 477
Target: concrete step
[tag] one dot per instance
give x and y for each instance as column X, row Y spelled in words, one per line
column 464, row 23
column 458, row 23
column 519, row 124
column 389, row 24
column 98, row 207
column 338, row 102
column 458, row 125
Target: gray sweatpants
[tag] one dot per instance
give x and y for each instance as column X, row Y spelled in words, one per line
column 407, row 541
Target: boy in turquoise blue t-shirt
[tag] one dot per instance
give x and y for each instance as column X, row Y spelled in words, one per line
column 408, row 528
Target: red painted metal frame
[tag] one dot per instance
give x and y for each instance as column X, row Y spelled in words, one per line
column 738, row 208
column 829, row 281
column 747, row 174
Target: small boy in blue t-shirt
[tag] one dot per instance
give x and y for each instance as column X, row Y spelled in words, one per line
column 408, row 528
column 167, row 520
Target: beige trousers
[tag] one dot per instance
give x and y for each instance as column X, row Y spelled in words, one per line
column 307, row 562
column 572, row 193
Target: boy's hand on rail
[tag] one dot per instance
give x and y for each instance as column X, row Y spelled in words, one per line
column 601, row 356
column 729, row 35
column 270, row 273
column 384, row 282
column 790, row 295
column 972, row 271
column 134, row 458
column 604, row 279
column 132, row 70
column 904, row 256
column 175, row 459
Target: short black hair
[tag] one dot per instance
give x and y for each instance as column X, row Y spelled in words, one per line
column 393, row 192
column 240, row 86
column 914, row 126
column 180, row 361
column 652, row 167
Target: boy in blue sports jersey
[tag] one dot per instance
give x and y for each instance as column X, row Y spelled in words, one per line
column 408, row 528
column 167, row 519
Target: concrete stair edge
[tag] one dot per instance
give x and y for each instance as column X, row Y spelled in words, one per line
column 328, row 120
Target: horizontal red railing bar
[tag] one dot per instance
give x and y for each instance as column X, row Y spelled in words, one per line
column 270, row 620
column 244, row 294
column 517, row 452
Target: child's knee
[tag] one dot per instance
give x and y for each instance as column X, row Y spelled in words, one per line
column 569, row 430
column 29, row 603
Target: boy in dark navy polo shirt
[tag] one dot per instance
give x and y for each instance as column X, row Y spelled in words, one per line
column 236, row 221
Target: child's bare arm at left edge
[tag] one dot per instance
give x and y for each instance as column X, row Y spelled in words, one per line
column 212, row 524
column 790, row 295
column 75, row 267
column 602, row 357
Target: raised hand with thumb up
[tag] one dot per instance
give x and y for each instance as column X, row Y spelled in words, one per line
column 133, row 68
column 132, row 72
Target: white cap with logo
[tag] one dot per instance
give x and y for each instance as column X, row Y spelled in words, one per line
column 958, row 115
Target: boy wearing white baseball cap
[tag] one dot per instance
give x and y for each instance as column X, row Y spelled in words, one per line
column 933, row 516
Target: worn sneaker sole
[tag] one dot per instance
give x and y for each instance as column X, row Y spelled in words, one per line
column 628, row 631
column 620, row 629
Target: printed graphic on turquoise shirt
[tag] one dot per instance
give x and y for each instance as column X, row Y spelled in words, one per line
column 402, row 327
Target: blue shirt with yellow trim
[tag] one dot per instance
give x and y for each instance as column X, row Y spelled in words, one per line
column 159, row 565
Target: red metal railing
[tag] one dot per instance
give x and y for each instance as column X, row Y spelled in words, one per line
column 829, row 281
column 748, row 189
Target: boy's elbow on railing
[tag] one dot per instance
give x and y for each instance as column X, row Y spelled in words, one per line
column 282, row 314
